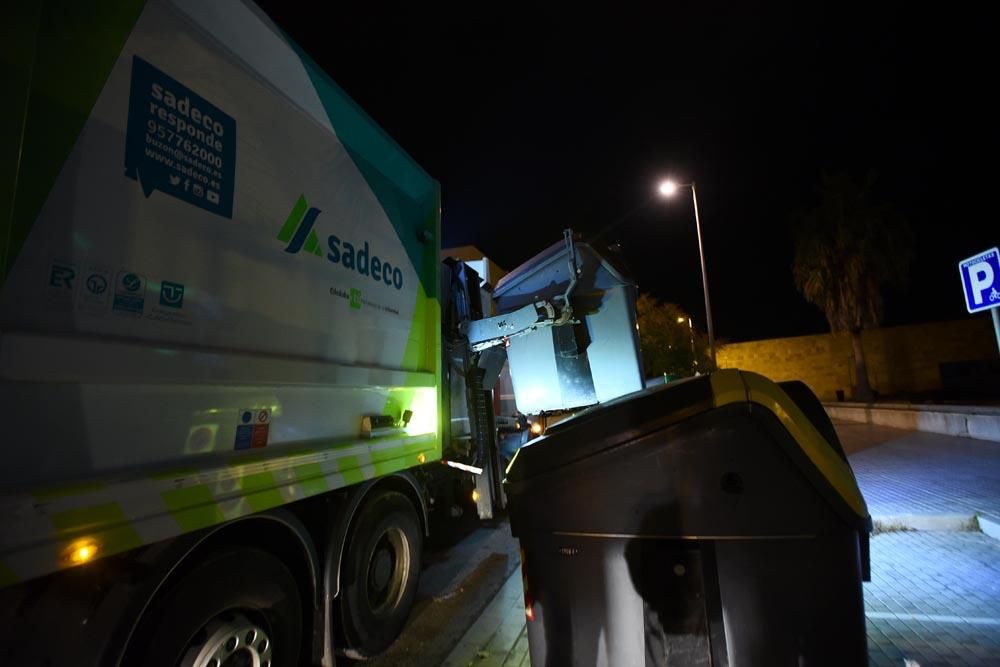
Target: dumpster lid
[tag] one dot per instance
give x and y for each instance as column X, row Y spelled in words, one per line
column 631, row 416
column 547, row 275
column 610, row 424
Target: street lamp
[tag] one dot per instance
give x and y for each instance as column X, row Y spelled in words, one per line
column 668, row 188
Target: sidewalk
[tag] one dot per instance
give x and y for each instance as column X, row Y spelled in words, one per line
column 926, row 481
column 934, row 598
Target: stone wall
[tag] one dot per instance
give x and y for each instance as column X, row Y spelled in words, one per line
column 904, row 359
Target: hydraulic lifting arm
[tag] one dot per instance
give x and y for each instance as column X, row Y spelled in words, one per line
column 492, row 331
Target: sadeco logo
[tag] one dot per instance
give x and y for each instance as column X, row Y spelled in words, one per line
column 299, row 233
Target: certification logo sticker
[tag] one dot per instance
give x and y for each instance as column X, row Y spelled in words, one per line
column 61, row 277
column 97, row 284
column 130, row 293
column 171, row 294
column 61, row 283
column 96, row 292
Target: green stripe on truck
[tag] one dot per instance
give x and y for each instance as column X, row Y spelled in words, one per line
column 91, row 36
column 17, row 54
column 67, row 490
column 311, row 478
column 261, row 491
column 350, row 469
column 7, row 576
column 107, row 523
column 193, row 508
column 406, row 193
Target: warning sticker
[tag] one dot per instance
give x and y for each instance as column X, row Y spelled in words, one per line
column 244, row 435
column 259, row 436
column 178, row 142
column 253, row 428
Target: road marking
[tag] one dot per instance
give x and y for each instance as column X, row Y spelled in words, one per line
column 933, row 618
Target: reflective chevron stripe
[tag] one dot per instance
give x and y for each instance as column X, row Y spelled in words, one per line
column 122, row 514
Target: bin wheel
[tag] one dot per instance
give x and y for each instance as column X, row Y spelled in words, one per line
column 236, row 607
column 379, row 574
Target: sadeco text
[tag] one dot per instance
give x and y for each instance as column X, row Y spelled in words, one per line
column 204, row 128
column 376, row 267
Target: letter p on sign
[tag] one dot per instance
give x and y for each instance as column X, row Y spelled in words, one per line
column 981, row 275
column 981, row 280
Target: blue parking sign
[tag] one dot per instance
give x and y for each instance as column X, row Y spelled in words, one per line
column 981, row 280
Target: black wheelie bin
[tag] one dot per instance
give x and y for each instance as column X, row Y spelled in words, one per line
column 709, row 521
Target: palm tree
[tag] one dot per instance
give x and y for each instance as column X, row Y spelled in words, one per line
column 847, row 250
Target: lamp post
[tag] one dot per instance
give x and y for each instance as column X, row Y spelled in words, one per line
column 668, row 189
column 694, row 351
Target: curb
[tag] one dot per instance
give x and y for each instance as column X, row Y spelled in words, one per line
column 990, row 526
column 954, row 523
column 965, row 421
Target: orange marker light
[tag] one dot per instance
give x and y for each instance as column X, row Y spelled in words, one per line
column 536, row 428
column 475, row 495
column 529, row 613
column 82, row 551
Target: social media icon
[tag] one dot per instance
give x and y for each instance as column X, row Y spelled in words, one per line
column 175, row 180
column 213, row 197
column 198, row 190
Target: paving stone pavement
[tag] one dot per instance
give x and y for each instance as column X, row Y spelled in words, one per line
column 934, row 599
column 927, row 473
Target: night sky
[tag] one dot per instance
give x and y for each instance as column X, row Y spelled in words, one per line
column 535, row 121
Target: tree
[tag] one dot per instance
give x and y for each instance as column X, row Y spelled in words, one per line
column 848, row 249
column 669, row 345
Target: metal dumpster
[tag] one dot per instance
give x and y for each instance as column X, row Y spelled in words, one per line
column 594, row 360
column 709, row 521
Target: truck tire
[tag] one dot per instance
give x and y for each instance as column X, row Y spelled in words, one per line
column 236, row 605
column 379, row 574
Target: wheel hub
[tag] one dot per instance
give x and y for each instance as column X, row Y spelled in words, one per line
column 230, row 640
column 383, row 569
column 388, row 571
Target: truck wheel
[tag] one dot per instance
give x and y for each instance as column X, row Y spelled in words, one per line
column 379, row 574
column 238, row 607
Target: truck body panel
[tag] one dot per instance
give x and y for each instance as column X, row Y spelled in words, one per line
column 217, row 265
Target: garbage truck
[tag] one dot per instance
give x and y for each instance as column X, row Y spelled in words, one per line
column 238, row 381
